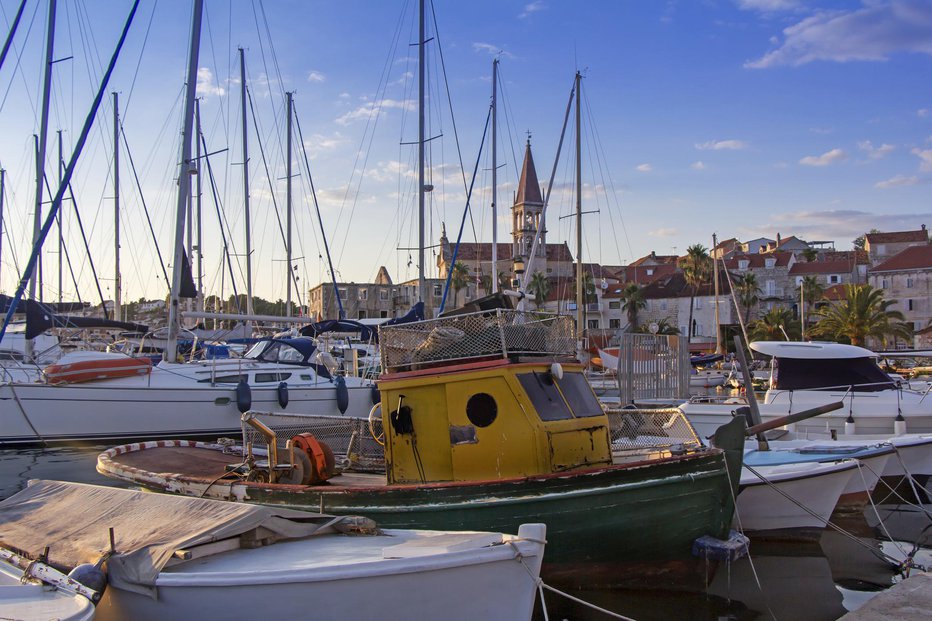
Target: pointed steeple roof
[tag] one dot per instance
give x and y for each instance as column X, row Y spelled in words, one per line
column 528, row 186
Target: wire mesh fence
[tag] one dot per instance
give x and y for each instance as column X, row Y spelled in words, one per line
column 651, row 429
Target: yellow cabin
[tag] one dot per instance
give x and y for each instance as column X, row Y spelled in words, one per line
column 487, row 396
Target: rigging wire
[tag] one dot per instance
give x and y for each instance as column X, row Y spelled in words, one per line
column 17, row 69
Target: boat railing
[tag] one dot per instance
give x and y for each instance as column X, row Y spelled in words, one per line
column 639, row 431
column 471, row 336
column 351, row 439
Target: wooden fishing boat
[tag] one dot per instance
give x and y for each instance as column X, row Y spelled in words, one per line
column 150, row 557
column 488, row 422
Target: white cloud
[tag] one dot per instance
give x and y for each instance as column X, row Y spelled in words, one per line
column 530, row 8
column 922, row 113
column 895, row 182
column 697, row 165
column 663, row 232
column 644, row 168
column 875, row 153
column 722, row 145
column 767, row 6
column 925, row 157
column 491, row 49
column 840, row 225
column 370, row 108
column 206, row 85
column 875, row 31
column 316, row 76
column 830, row 157
column 318, row 143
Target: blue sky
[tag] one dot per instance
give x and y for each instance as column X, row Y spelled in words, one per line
column 743, row 118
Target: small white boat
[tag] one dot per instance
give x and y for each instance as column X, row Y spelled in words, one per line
column 35, row 601
column 188, row 558
column 791, row 496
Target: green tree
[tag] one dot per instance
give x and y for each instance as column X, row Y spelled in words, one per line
column 459, row 278
column 812, row 292
column 588, row 286
column 810, row 254
column 777, row 324
column 860, row 241
column 539, row 287
column 861, row 314
column 697, row 268
column 634, row 302
column 485, row 281
column 748, row 292
column 664, row 326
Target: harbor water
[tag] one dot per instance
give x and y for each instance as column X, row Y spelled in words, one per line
column 818, row 579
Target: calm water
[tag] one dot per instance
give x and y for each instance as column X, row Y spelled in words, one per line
column 797, row 581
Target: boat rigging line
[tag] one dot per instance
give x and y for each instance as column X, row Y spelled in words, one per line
column 69, row 171
column 9, row 37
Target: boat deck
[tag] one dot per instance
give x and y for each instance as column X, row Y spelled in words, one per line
column 207, row 465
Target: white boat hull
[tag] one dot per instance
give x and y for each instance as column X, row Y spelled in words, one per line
column 495, row 583
column 817, row 487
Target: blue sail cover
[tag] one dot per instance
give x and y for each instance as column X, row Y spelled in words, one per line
column 337, row 325
column 415, row 314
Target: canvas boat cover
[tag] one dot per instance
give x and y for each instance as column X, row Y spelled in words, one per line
column 73, row 521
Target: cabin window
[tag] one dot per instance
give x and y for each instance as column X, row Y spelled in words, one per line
column 544, row 395
column 271, row 377
column 481, row 409
column 579, row 395
column 306, row 378
column 225, row 379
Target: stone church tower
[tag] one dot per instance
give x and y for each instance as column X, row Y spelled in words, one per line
column 526, row 216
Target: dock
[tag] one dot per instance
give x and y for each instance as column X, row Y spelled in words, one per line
column 908, row 600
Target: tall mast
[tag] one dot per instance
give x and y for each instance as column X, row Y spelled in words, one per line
column 200, row 254
column 288, row 204
column 40, row 150
column 2, row 194
column 421, row 282
column 184, row 183
column 117, row 286
column 718, row 335
column 58, row 218
column 242, row 77
column 494, row 176
column 580, row 307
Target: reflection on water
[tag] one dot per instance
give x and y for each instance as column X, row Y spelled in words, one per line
column 799, row 581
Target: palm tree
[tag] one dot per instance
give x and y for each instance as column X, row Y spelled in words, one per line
column 777, row 324
column 697, row 267
column 663, row 327
column 748, row 291
column 810, row 254
column 540, row 288
column 633, row 296
column 459, row 278
column 588, row 287
column 485, row 281
column 862, row 313
column 812, row 292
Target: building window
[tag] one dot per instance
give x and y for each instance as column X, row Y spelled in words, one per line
column 909, row 305
column 438, row 291
column 650, row 271
column 698, row 303
column 614, row 324
column 342, row 293
column 743, row 264
column 770, row 287
column 614, row 305
column 362, row 315
column 883, row 283
column 834, row 279
column 592, row 324
column 383, row 294
column 881, row 250
column 363, row 294
column 663, row 305
column 909, row 283
column 770, row 262
column 799, row 281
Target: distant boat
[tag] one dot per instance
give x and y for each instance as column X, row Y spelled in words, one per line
column 183, row 558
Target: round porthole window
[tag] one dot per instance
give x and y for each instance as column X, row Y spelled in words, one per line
column 481, row 409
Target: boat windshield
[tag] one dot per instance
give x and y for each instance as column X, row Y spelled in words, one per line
column 557, row 399
column 859, row 374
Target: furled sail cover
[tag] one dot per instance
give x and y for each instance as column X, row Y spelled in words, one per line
column 40, row 318
column 72, row 520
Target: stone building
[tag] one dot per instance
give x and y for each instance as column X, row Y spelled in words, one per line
column 882, row 246
column 907, row 278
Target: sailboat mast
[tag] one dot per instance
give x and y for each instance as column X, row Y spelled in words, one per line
column 288, row 204
column 580, row 307
column 494, row 176
column 421, row 282
column 117, row 286
column 184, row 184
column 2, row 196
column 40, row 150
column 242, row 77
column 718, row 332
column 200, row 254
column 58, row 218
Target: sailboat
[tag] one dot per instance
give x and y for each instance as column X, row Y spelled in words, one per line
column 174, row 398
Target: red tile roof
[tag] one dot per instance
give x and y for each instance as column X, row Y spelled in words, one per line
column 659, row 259
column 912, row 258
column 834, row 293
column 472, row 251
column 822, row 267
column 759, row 260
column 921, row 235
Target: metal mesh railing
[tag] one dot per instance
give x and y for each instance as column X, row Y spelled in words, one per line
column 476, row 335
column 654, row 429
column 350, row 439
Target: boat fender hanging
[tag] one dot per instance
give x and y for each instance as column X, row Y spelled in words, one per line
column 322, row 460
column 401, row 420
column 243, row 397
column 375, row 394
column 283, row 395
column 342, row 394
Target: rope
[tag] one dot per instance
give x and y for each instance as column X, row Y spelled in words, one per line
column 25, row 416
